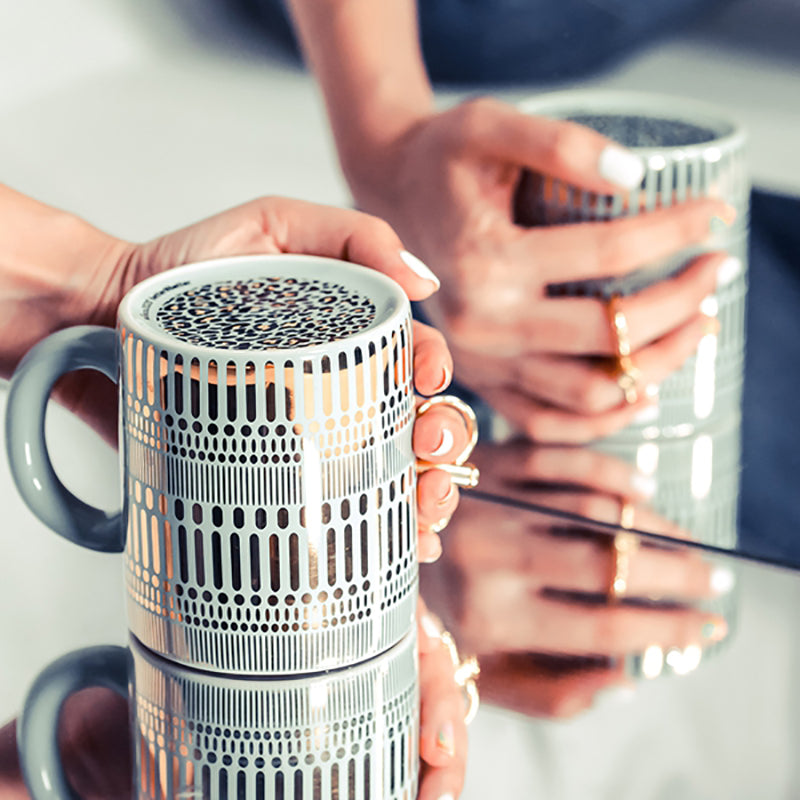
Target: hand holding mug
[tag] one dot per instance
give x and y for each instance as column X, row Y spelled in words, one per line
column 541, row 361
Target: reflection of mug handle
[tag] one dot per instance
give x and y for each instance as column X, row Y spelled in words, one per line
column 82, row 347
column 37, row 731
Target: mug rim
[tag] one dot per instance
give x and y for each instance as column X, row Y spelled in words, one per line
column 729, row 132
column 396, row 304
column 202, row 674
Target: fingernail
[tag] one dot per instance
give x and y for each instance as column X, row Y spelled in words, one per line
column 446, row 444
column 647, row 414
column 709, row 306
column 651, row 390
column 448, row 495
column 722, row 221
column 429, row 626
column 419, row 268
column 682, row 661
column 445, row 381
column 728, row 271
column 446, row 739
column 447, row 796
column 722, row 580
column 715, row 630
column 439, row 526
column 620, row 166
column 711, row 326
column 644, row 485
column 432, row 552
column 618, row 695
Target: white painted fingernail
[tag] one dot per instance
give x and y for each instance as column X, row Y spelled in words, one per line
column 709, row 306
column 722, row 580
column 447, row 796
column 445, row 381
column 647, row 414
column 645, row 485
column 620, row 166
column 419, row 268
column 651, row 390
column 430, row 627
column 619, row 695
column 443, row 501
column 446, row 444
column 728, row 271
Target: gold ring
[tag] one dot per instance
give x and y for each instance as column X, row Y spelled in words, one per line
column 461, row 472
column 627, row 374
column 624, row 545
column 466, row 672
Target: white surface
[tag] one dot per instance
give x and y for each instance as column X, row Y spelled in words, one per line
column 121, row 112
column 728, row 731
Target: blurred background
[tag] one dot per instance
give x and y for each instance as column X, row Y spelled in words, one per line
column 145, row 115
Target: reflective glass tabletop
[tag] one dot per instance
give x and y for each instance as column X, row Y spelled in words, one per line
column 612, row 664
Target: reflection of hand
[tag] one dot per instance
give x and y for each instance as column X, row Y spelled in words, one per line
column 96, row 748
column 95, row 745
column 530, row 600
column 443, row 732
column 447, row 186
column 576, row 480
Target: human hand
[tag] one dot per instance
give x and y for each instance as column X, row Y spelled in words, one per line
column 90, row 272
column 447, row 186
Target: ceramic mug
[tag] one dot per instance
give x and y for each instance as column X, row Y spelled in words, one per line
column 689, row 150
column 352, row 733
column 266, row 412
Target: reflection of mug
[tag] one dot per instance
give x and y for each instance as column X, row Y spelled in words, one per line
column 689, row 151
column 266, row 410
column 695, row 480
column 347, row 733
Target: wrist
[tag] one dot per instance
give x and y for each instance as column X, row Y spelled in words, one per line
column 56, row 270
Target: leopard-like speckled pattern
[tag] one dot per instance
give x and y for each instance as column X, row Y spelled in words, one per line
column 266, row 313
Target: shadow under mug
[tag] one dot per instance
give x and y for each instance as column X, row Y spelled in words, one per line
column 269, row 481
column 351, row 733
column 689, row 150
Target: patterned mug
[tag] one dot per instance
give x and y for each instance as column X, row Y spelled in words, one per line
column 266, row 411
column 351, row 733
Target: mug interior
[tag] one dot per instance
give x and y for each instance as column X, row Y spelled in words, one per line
column 644, row 130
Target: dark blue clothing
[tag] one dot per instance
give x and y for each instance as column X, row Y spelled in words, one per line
column 516, row 41
column 492, row 42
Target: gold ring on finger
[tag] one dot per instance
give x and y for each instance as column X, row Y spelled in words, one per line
column 624, row 546
column 461, row 472
column 627, row 374
column 465, row 673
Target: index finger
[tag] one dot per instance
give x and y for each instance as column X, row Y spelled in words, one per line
column 559, row 148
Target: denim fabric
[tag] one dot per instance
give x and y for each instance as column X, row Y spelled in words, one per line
column 770, row 501
column 517, row 41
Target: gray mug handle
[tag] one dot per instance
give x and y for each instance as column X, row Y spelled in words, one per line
column 81, row 347
column 37, row 731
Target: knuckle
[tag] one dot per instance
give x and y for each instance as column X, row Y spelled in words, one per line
column 608, row 634
column 592, row 396
column 380, row 229
column 538, row 428
column 566, row 137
